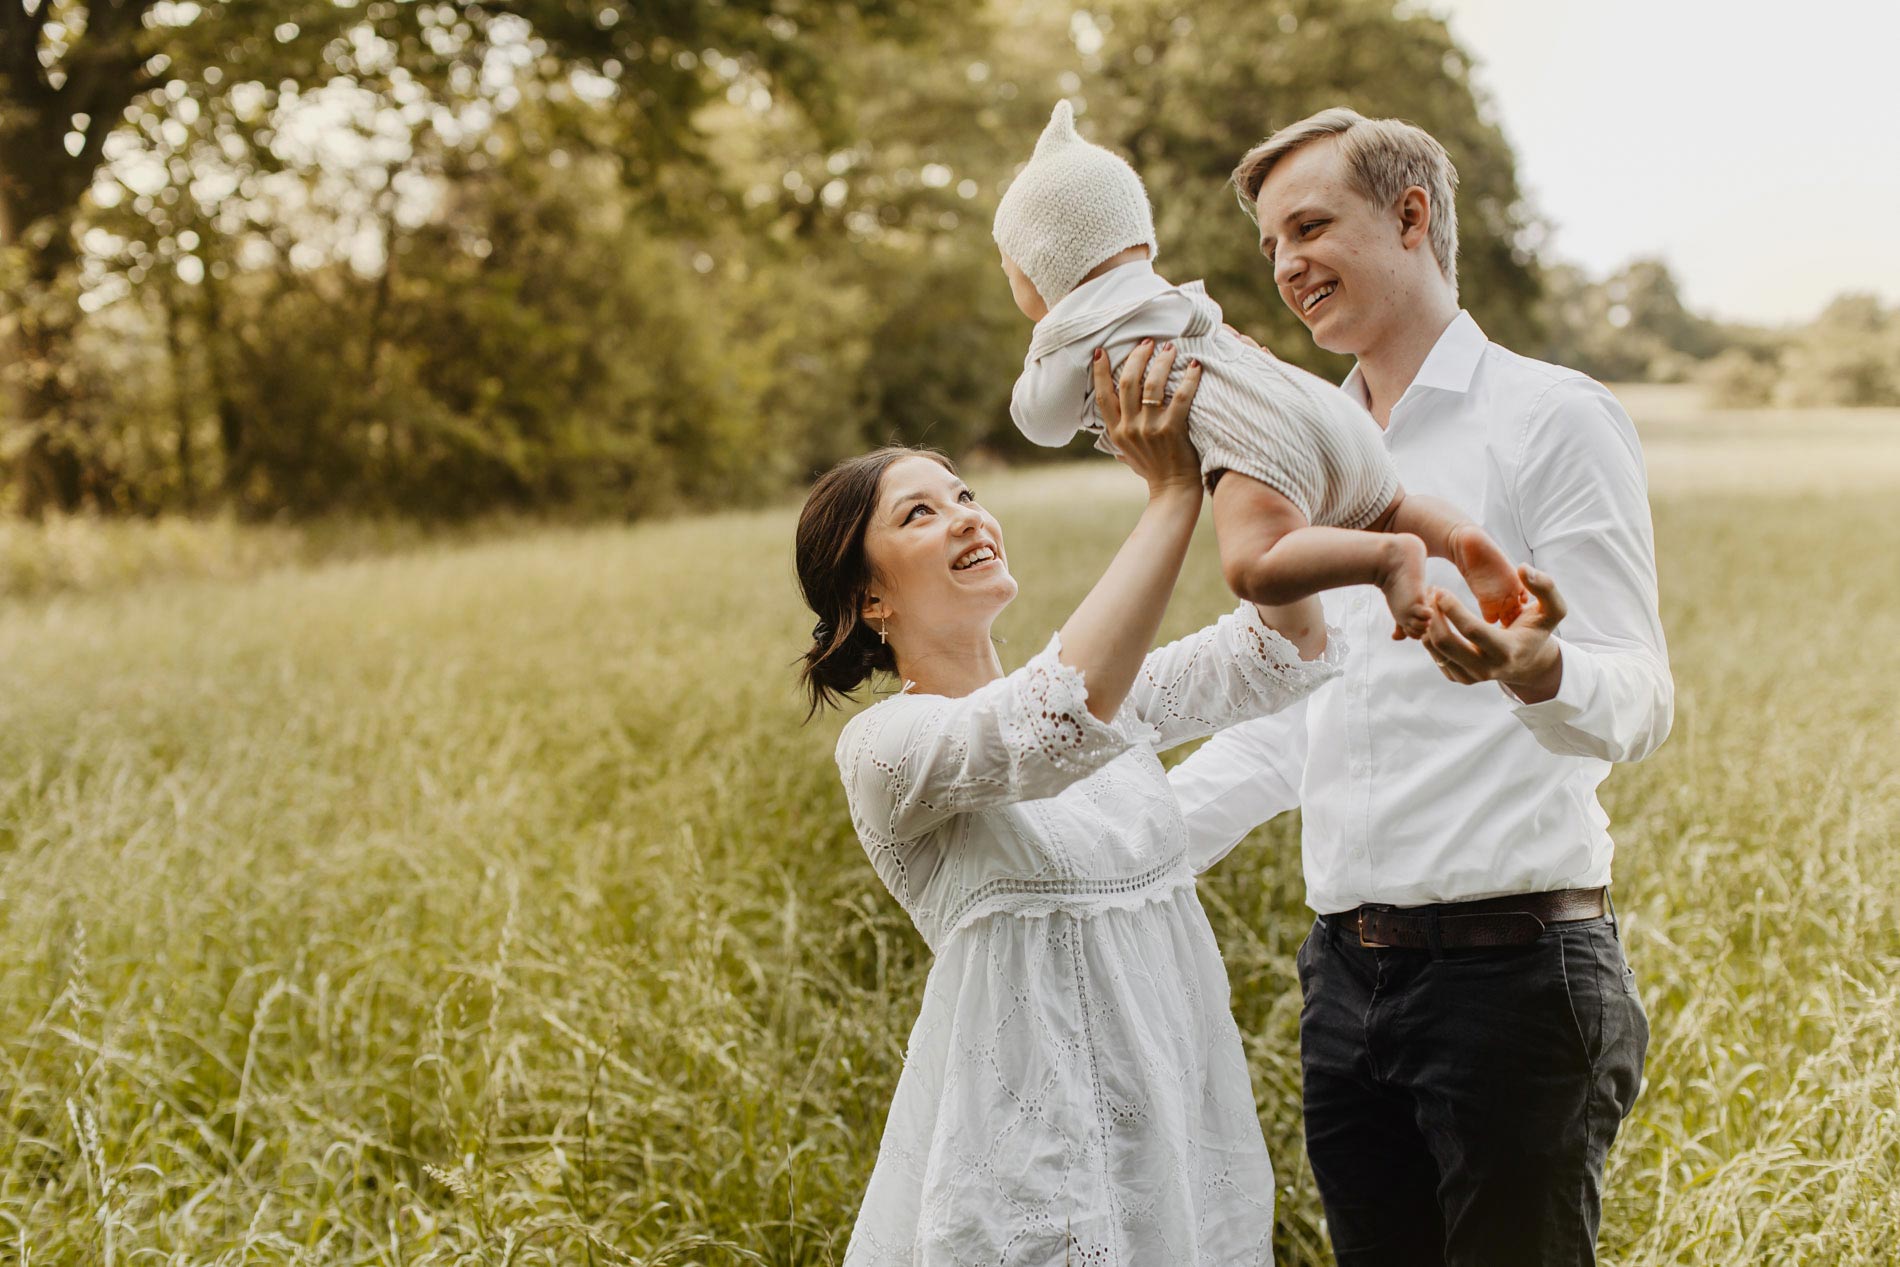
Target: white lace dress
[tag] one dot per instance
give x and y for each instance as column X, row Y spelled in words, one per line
column 1074, row 1090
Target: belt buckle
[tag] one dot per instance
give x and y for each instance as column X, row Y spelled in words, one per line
column 1361, row 929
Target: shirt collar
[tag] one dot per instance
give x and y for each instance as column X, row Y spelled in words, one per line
column 1449, row 366
column 1123, row 277
column 1454, row 358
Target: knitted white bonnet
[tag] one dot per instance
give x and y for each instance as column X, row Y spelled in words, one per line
column 1072, row 206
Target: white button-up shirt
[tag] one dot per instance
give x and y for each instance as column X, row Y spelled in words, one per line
column 1415, row 789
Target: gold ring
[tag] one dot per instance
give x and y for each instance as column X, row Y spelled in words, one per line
column 1146, row 401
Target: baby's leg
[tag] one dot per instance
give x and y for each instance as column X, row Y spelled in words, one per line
column 1451, row 534
column 1271, row 555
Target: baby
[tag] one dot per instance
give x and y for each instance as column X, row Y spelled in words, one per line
column 1296, row 467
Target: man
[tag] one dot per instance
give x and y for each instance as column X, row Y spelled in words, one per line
column 1471, row 1036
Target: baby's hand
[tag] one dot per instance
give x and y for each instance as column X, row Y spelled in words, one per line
column 1488, row 571
column 1244, row 338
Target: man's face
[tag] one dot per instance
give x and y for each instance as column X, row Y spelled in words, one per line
column 1338, row 260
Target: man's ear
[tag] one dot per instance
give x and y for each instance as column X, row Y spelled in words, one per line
column 1415, row 217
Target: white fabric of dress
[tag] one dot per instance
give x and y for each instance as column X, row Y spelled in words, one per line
column 1074, row 1090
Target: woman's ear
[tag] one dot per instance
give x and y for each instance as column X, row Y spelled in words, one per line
column 874, row 609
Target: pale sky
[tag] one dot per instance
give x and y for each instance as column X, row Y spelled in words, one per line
column 1754, row 146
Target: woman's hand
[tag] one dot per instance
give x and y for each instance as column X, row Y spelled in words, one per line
column 1150, row 436
column 1115, row 626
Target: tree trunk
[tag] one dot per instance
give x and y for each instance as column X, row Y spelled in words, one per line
column 181, row 405
column 52, row 472
column 41, row 184
column 224, row 351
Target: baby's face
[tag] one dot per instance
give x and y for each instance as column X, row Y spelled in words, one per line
column 1028, row 298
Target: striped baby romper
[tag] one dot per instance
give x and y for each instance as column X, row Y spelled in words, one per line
column 1255, row 414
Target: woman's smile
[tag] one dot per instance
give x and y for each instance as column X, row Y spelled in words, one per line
column 976, row 558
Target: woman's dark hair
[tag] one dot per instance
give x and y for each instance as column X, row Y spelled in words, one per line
column 835, row 577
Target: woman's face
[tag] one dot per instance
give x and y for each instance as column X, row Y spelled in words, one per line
column 936, row 557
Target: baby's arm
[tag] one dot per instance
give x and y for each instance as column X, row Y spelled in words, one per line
column 1271, row 554
column 1050, row 401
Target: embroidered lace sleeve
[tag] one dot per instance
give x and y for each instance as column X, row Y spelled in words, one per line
column 1234, row 670
column 911, row 762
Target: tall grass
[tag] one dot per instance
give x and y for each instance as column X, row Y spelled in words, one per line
column 87, row 554
column 490, row 905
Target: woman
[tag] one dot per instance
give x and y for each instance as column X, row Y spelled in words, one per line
column 1074, row 1090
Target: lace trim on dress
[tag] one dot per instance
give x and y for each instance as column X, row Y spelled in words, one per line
column 1047, row 714
column 1022, row 897
column 1053, row 716
column 1266, row 672
column 1281, row 659
column 1273, row 649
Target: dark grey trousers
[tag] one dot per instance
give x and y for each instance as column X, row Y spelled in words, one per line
column 1459, row 1106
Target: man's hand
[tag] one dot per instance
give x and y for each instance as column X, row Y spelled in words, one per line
column 1519, row 655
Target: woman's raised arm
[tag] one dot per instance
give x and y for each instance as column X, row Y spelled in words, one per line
column 1116, row 624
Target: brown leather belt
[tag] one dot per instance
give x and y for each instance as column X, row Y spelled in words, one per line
column 1517, row 920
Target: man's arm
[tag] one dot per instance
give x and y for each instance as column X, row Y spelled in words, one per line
column 1239, row 779
column 1603, row 689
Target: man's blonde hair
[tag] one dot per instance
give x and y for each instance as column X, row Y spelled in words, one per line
column 1384, row 158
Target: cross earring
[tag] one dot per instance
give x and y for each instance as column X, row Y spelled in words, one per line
column 880, row 631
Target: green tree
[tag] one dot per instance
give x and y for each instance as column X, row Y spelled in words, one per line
column 617, row 255
column 73, row 74
column 1186, row 89
column 1849, row 355
column 1631, row 326
column 70, row 75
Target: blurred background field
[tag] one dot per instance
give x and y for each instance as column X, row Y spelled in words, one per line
column 409, row 849
column 1689, row 446
column 487, row 902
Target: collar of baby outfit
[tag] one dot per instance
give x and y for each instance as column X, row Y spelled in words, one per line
column 1062, row 329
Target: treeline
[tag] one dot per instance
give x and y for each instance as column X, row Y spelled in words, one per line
column 1633, row 326
column 309, row 256
column 1849, row 355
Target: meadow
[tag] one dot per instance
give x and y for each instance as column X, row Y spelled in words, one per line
column 487, row 902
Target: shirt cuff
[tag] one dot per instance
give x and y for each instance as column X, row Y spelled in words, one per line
column 1574, row 690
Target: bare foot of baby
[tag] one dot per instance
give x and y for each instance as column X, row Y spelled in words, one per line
column 1402, row 578
column 1489, row 572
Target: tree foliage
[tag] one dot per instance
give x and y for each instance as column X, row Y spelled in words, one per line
column 1192, row 87
column 1631, row 326
column 613, row 254
column 1849, row 355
